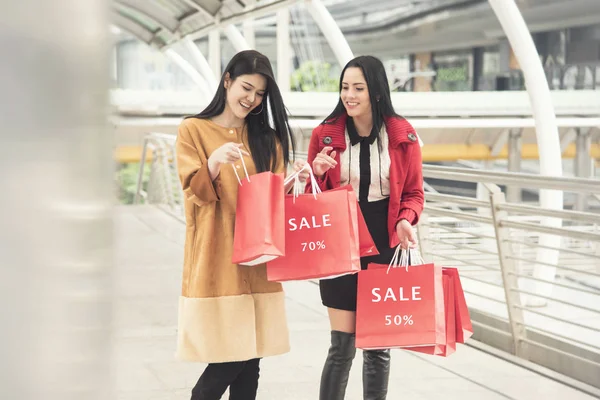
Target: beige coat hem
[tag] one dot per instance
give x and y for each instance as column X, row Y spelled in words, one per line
column 232, row 328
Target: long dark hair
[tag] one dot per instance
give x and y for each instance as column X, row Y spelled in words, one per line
column 262, row 138
column 379, row 91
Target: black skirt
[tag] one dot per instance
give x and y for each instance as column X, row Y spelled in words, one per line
column 340, row 293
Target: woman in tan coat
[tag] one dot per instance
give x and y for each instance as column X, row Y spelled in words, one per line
column 230, row 316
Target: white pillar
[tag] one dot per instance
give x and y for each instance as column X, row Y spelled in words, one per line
column 235, row 37
column 548, row 139
column 201, row 63
column 214, row 52
column 583, row 163
column 331, row 31
column 248, row 28
column 191, row 72
column 515, row 146
column 483, row 193
column 283, row 50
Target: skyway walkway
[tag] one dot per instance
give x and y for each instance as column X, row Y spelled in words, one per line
column 149, row 259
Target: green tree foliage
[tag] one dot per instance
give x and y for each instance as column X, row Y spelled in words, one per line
column 126, row 178
column 314, row 76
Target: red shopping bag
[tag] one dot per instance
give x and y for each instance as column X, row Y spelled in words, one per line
column 450, row 346
column 321, row 237
column 259, row 234
column 400, row 307
column 366, row 244
column 464, row 327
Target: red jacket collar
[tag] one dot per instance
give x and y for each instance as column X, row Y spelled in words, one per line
column 398, row 129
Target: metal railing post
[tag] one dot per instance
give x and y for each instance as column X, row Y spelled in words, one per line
column 139, row 188
column 509, row 274
column 422, row 236
column 166, row 175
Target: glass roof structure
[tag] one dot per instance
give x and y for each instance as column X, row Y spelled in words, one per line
column 163, row 22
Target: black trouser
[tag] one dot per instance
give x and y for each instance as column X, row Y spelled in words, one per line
column 241, row 378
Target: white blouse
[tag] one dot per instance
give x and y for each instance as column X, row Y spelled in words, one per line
column 380, row 163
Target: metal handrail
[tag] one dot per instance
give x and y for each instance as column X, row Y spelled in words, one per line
column 563, row 214
column 463, row 201
column 569, row 184
column 551, row 230
column 460, row 215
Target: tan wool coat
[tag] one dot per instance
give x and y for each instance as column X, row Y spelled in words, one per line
column 227, row 312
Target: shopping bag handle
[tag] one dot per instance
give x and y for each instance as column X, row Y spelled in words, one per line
column 296, row 178
column 405, row 258
column 243, row 164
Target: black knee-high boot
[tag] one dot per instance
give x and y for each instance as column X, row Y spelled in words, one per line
column 334, row 378
column 376, row 374
column 245, row 386
column 215, row 379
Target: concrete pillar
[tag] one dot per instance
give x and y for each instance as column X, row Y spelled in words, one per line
column 515, row 145
column 56, row 208
column 421, row 63
column 248, row 31
column 214, row 52
column 283, row 50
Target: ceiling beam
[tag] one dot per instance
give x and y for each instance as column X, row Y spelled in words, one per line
column 152, row 12
column 207, row 7
column 252, row 13
column 136, row 29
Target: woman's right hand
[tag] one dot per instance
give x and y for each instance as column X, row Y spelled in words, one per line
column 324, row 161
column 228, row 153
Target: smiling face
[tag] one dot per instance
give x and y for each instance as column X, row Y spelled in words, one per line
column 245, row 93
column 355, row 93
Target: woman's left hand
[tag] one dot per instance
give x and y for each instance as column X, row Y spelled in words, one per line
column 303, row 176
column 406, row 235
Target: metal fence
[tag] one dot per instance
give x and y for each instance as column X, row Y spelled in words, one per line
column 162, row 187
column 539, row 302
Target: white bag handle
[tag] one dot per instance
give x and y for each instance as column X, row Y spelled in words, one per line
column 243, row 164
column 296, row 178
column 405, row 258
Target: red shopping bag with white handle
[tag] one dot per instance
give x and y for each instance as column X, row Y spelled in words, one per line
column 449, row 302
column 464, row 327
column 321, row 236
column 400, row 307
column 366, row 243
column 259, row 234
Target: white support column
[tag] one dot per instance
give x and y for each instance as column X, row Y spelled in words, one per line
column 283, row 50
column 548, row 139
column 191, row 72
column 201, row 63
column 236, row 38
column 515, row 145
column 214, row 52
column 248, row 29
column 332, row 32
column 583, row 163
column 482, row 192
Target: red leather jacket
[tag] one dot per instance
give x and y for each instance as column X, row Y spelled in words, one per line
column 406, row 170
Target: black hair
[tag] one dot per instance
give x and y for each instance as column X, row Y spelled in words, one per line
column 379, row 91
column 261, row 136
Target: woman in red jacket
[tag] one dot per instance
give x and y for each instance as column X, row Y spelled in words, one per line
column 364, row 143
